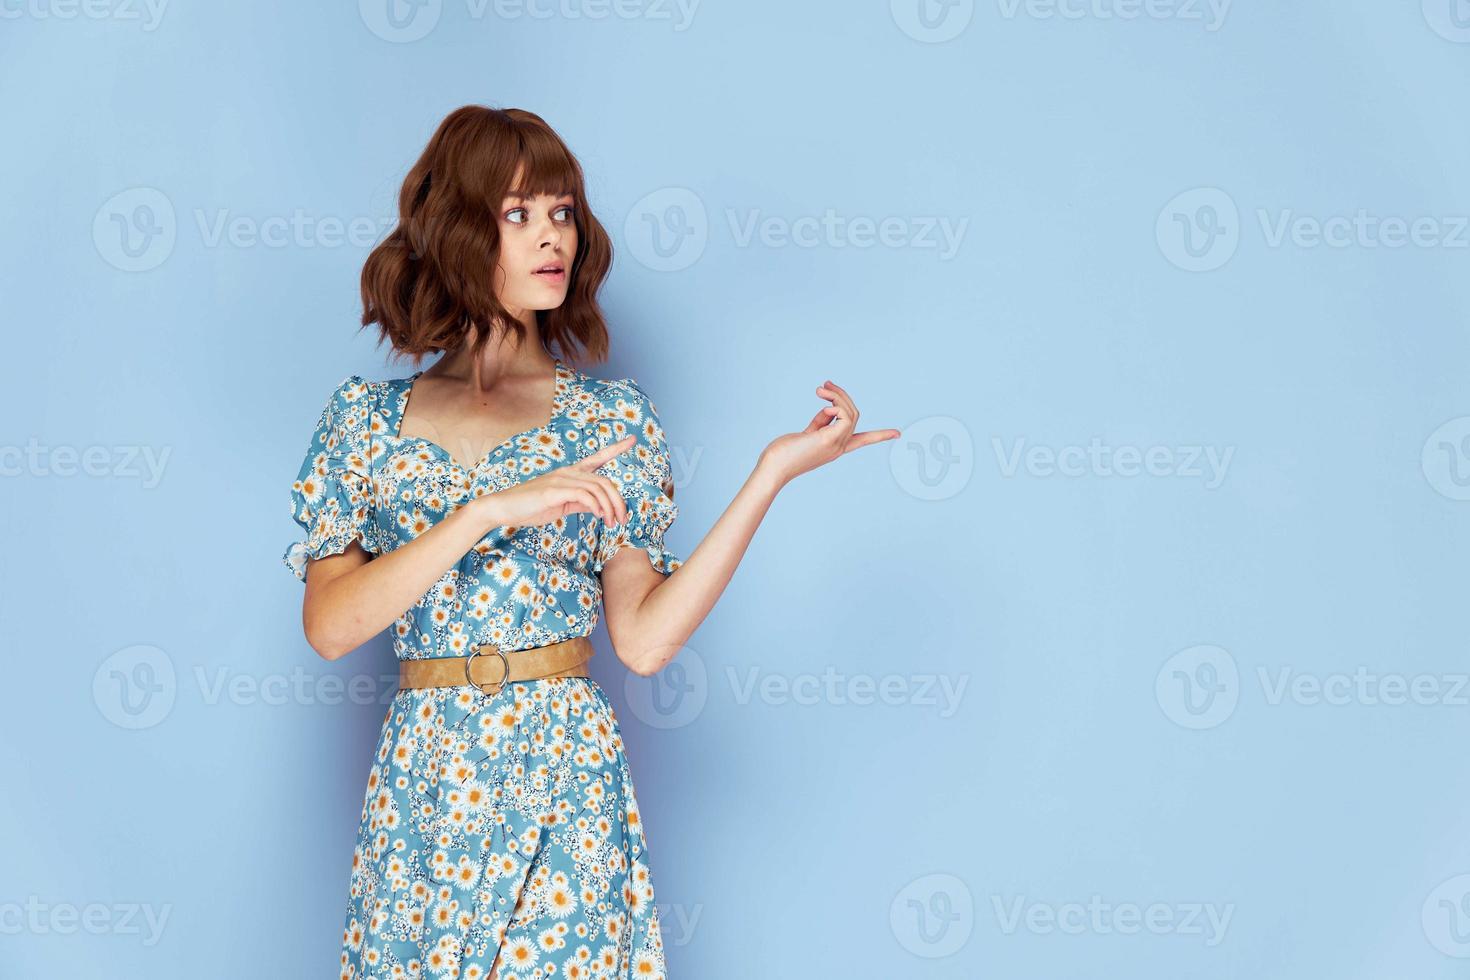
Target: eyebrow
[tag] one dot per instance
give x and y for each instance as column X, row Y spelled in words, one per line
column 526, row 197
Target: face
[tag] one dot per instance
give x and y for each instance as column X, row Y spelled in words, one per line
column 538, row 240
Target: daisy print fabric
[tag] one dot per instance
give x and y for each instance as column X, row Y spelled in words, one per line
column 507, row 823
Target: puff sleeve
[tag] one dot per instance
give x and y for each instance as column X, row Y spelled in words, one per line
column 332, row 496
column 642, row 473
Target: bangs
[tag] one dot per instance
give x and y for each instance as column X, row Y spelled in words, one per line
column 544, row 167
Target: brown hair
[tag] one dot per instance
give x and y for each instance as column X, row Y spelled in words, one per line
column 433, row 275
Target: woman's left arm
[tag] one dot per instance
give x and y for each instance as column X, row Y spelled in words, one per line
column 651, row 615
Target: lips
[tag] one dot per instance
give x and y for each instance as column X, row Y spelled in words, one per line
column 552, row 272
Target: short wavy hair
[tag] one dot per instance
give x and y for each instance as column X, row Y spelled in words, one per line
column 433, row 275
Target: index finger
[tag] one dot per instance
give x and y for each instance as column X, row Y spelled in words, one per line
column 610, row 451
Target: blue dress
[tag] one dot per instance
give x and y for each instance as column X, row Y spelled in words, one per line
column 506, row 822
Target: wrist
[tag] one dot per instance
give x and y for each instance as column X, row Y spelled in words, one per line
column 485, row 509
column 768, row 477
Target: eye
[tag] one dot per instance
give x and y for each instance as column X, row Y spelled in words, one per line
column 511, row 216
column 569, row 211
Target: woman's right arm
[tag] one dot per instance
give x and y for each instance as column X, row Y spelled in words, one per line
column 352, row 597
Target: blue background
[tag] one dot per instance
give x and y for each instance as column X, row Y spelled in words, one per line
column 1115, row 642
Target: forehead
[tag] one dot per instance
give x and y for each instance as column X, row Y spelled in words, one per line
column 522, row 197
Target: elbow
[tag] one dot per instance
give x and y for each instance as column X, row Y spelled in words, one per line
column 323, row 640
column 641, row 665
column 645, row 668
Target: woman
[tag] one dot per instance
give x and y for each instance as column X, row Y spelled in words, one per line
column 482, row 509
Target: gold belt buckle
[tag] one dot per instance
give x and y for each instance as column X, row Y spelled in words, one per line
column 480, row 651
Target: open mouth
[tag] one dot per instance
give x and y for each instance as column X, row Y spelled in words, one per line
column 551, row 272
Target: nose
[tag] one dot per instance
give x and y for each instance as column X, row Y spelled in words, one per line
column 549, row 234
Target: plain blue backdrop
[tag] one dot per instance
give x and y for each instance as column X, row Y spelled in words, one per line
column 1141, row 654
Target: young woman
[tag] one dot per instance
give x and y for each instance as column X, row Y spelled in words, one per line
column 483, row 509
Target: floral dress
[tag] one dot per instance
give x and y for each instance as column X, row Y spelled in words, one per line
column 502, row 823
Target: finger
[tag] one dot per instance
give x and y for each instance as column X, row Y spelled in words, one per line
column 842, row 420
column 868, row 438
column 839, row 398
column 620, row 503
column 576, row 500
column 610, row 451
column 823, row 416
column 844, row 398
column 610, row 502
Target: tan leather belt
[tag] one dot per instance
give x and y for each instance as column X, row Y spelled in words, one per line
column 490, row 668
